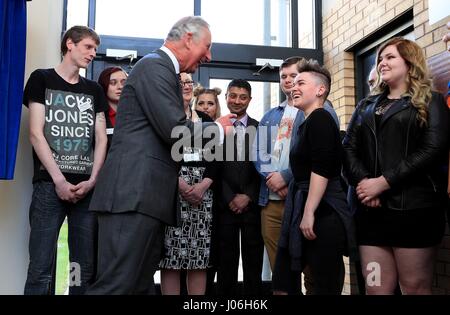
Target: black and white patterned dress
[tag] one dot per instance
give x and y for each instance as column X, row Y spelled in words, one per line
column 189, row 246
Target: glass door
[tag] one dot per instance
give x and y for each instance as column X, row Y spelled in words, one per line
column 265, row 86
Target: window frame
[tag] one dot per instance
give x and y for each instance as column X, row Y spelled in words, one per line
column 151, row 43
column 399, row 26
column 222, row 53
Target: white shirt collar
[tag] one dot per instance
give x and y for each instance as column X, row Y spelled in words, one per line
column 172, row 57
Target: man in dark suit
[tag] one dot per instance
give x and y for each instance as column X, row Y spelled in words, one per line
column 136, row 191
column 239, row 213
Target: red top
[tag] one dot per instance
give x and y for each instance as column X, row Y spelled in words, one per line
column 112, row 116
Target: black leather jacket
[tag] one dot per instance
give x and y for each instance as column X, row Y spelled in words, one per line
column 411, row 158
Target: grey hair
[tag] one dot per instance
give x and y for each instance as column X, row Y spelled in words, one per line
column 188, row 24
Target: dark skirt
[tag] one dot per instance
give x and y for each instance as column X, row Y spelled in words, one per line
column 418, row 228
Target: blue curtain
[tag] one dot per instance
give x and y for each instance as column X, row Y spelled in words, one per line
column 13, row 21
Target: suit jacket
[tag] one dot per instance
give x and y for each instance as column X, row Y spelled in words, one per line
column 240, row 177
column 139, row 174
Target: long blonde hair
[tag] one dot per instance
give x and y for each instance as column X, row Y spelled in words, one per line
column 417, row 80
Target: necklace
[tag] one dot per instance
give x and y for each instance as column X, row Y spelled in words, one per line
column 384, row 106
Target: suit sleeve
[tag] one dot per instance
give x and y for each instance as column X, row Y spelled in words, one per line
column 252, row 189
column 157, row 90
column 227, row 193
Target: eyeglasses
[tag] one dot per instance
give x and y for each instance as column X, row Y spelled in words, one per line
column 187, row 83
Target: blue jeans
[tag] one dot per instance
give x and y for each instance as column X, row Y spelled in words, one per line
column 47, row 213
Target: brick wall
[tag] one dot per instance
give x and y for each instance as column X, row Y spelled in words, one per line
column 349, row 21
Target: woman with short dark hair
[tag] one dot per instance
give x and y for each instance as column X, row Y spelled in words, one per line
column 317, row 224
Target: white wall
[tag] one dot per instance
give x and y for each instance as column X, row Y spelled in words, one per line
column 43, row 37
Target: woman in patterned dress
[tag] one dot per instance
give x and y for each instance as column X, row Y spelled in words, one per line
column 188, row 247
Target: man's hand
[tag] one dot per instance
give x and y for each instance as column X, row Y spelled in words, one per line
column 283, row 192
column 82, row 189
column 240, row 203
column 225, row 122
column 275, row 181
column 64, row 190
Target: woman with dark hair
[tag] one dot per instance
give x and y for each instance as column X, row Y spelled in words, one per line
column 395, row 147
column 112, row 80
column 317, row 225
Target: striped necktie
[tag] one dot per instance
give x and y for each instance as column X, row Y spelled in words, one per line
column 240, row 139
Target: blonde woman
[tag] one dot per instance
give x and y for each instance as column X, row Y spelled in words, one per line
column 207, row 101
column 395, row 147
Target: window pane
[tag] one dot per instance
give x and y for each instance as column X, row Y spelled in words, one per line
column 140, row 18
column 306, row 13
column 265, row 95
column 253, row 22
column 410, row 36
column 77, row 12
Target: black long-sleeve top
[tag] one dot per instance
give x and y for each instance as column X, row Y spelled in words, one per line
column 318, row 147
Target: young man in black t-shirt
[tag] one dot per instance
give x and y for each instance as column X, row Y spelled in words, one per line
column 68, row 134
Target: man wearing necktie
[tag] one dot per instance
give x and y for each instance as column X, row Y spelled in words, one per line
column 239, row 130
column 239, row 213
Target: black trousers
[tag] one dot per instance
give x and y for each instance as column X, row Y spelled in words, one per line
column 448, row 212
column 248, row 226
column 323, row 256
column 130, row 247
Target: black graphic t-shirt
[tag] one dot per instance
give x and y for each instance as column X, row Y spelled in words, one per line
column 69, row 128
